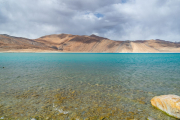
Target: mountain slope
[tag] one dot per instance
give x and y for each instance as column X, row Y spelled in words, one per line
column 76, row 43
column 10, row 43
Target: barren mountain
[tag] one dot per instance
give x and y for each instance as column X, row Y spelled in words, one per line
column 11, row 43
column 76, row 43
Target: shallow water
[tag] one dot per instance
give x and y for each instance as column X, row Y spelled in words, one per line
column 86, row 86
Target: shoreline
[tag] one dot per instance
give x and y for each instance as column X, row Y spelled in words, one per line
column 57, row 51
column 87, row 52
column 54, row 51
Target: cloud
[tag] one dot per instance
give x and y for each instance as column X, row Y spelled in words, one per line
column 115, row 19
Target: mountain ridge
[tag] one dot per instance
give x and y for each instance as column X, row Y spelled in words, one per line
column 92, row 44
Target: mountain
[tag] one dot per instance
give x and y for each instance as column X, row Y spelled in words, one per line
column 11, row 43
column 76, row 43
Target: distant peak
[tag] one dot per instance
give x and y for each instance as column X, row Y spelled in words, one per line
column 5, row 34
column 157, row 39
column 95, row 36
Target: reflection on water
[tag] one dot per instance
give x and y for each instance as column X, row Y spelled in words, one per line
column 85, row 86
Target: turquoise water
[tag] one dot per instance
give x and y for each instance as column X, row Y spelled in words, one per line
column 85, row 86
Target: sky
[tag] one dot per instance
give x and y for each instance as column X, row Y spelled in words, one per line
column 113, row 19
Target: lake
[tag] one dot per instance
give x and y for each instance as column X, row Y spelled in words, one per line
column 86, row 86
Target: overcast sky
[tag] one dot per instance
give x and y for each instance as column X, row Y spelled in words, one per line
column 114, row 19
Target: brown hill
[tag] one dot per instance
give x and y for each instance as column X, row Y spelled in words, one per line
column 76, row 43
column 11, row 43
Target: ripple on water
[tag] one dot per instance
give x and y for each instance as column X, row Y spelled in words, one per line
column 80, row 86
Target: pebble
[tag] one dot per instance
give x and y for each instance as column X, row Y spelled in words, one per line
column 64, row 112
column 2, row 118
column 33, row 119
column 139, row 110
column 150, row 118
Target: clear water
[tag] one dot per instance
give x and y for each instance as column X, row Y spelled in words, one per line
column 86, row 86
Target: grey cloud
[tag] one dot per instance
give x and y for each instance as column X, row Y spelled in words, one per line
column 119, row 20
column 89, row 5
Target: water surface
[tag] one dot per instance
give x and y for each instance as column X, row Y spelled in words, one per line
column 85, row 86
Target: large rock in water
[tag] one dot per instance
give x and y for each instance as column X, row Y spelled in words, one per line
column 168, row 103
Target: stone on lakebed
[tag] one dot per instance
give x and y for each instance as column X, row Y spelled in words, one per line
column 168, row 103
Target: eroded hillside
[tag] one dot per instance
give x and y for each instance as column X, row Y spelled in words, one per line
column 92, row 44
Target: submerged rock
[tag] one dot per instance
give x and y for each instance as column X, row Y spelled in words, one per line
column 150, row 118
column 168, row 103
column 1, row 118
column 33, row 119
